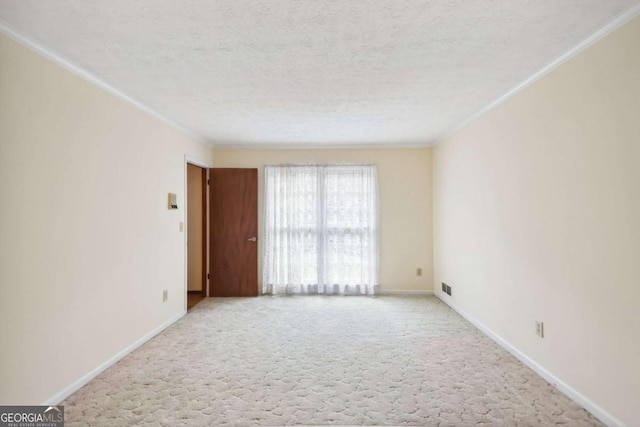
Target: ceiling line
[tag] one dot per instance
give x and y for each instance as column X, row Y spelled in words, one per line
column 91, row 78
column 315, row 146
column 593, row 38
column 96, row 81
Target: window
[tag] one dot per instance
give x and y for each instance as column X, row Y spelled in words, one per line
column 320, row 229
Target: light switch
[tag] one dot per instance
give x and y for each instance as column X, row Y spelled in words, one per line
column 181, row 226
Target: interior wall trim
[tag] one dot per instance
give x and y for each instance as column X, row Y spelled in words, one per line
column 563, row 387
column 59, row 397
column 593, row 38
column 404, row 292
column 95, row 80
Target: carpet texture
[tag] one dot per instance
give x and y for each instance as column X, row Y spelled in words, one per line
column 316, row 360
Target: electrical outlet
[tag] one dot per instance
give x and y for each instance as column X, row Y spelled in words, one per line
column 165, row 295
column 444, row 287
column 418, row 271
column 540, row 329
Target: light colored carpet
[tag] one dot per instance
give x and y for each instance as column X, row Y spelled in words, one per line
column 316, row 360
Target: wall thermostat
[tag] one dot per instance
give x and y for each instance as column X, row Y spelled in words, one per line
column 173, row 204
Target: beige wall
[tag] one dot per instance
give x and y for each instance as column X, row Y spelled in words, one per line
column 404, row 177
column 87, row 243
column 194, row 228
column 537, row 217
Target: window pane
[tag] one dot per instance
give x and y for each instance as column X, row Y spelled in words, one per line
column 320, row 228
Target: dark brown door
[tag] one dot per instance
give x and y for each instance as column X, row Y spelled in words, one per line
column 233, row 201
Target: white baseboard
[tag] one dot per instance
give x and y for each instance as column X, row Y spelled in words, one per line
column 404, row 292
column 563, row 387
column 68, row 391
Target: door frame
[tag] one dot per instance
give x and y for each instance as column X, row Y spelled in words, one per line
column 205, row 226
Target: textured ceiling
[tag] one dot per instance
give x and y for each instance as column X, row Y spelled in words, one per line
column 311, row 72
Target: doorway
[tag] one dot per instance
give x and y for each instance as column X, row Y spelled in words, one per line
column 196, row 234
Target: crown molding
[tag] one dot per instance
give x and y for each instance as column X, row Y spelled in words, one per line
column 95, row 80
column 86, row 75
column 593, row 38
column 346, row 146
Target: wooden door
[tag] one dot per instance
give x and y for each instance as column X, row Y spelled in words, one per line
column 233, row 202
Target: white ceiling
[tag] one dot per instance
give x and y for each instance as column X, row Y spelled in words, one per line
column 311, row 72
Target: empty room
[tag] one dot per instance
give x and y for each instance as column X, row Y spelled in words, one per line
column 319, row 212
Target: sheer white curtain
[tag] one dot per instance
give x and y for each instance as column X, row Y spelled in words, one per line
column 320, row 229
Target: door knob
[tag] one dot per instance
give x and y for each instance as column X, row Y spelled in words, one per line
column 252, row 239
